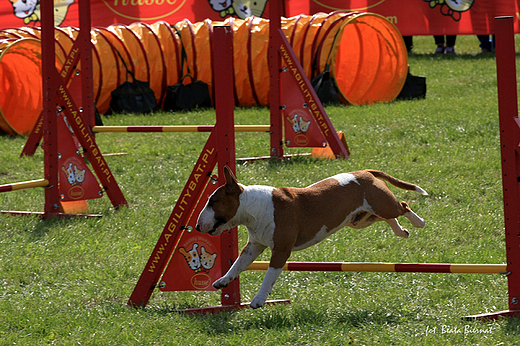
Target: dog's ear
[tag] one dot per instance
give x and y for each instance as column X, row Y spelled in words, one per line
column 232, row 186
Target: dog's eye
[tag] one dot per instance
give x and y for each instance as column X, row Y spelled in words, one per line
column 211, row 202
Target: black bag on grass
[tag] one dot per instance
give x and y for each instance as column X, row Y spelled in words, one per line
column 324, row 84
column 325, row 87
column 133, row 97
column 414, row 88
column 180, row 97
column 185, row 97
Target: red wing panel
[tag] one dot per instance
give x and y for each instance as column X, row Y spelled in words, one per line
column 195, row 263
column 300, row 127
column 77, row 182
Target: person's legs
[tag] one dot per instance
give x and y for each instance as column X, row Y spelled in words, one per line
column 450, row 44
column 450, row 40
column 439, row 41
column 484, row 45
column 408, row 42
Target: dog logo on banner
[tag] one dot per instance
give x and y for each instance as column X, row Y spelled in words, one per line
column 241, row 8
column 198, row 262
column 195, row 262
column 29, row 10
column 300, row 126
column 194, row 265
column 76, row 181
column 452, row 8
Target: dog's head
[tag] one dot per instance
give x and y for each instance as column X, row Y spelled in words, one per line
column 221, row 207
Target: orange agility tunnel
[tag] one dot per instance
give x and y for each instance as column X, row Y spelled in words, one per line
column 365, row 52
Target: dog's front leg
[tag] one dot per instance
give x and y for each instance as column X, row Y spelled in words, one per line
column 276, row 265
column 250, row 252
column 267, row 286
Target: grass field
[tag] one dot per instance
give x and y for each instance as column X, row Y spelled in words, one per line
column 67, row 282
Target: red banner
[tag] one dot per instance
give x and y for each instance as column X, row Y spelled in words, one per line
column 412, row 17
column 421, row 17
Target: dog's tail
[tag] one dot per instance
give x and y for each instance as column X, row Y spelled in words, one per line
column 396, row 182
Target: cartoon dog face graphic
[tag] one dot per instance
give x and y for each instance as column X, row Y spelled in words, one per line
column 74, row 175
column 24, row 8
column 192, row 257
column 241, row 8
column 220, row 5
column 304, row 125
column 79, row 174
column 248, row 8
column 29, row 10
column 298, row 124
column 207, row 259
column 69, row 172
column 452, row 8
column 295, row 124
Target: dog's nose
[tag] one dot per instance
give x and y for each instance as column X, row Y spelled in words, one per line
column 197, row 227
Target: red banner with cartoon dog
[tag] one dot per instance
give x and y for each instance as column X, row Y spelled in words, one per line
column 411, row 17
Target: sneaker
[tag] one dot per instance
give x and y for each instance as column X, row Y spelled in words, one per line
column 449, row 50
column 439, row 50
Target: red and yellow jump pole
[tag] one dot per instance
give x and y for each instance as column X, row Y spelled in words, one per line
column 387, row 267
column 177, row 128
column 24, row 185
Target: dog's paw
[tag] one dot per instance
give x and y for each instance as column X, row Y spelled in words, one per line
column 420, row 224
column 257, row 302
column 220, row 283
column 403, row 233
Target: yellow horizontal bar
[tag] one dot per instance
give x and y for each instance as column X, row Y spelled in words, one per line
column 262, row 265
column 479, row 268
column 252, row 128
column 102, row 129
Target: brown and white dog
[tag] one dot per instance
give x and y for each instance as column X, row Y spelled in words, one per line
column 289, row 218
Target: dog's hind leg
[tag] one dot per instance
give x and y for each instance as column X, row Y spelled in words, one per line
column 250, row 252
column 397, row 228
column 415, row 219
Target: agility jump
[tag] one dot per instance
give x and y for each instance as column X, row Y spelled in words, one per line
column 298, row 96
column 68, row 181
column 509, row 138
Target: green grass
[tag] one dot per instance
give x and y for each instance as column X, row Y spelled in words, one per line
column 65, row 282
